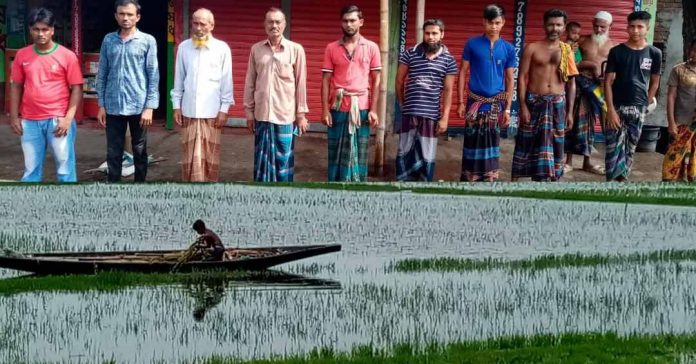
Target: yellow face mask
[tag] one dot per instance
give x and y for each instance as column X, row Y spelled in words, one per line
column 200, row 42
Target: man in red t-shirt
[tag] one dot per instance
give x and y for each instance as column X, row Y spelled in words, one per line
column 46, row 77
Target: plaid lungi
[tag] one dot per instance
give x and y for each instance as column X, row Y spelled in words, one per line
column 415, row 157
column 348, row 151
column 274, row 159
column 622, row 142
column 539, row 143
column 481, row 147
column 590, row 110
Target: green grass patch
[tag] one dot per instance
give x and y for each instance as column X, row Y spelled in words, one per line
column 537, row 263
column 652, row 194
column 115, row 281
column 567, row 348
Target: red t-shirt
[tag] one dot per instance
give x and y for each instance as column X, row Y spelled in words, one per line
column 47, row 79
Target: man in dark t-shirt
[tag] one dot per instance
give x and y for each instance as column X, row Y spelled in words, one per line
column 631, row 81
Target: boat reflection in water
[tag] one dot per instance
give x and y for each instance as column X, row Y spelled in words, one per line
column 210, row 292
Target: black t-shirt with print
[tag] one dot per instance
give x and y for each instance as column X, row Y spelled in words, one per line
column 633, row 69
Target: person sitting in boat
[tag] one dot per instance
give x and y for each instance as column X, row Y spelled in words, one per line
column 208, row 242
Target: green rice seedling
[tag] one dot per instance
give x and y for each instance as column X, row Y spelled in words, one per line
column 537, row 263
column 590, row 347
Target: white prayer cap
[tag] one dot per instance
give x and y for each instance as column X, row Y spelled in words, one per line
column 604, row 15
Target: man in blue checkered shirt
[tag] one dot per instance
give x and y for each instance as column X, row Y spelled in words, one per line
column 127, row 87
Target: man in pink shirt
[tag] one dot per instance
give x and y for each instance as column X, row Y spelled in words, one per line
column 351, row 70
column 46, row 77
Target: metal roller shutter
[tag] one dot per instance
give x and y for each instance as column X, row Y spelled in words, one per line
column 316, row 23
column 240, row 24
column 582, row 12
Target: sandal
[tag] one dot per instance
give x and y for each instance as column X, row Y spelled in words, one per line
column 596, row 169
column 567, row 168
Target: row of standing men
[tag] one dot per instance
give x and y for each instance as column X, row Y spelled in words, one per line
column 275, row 97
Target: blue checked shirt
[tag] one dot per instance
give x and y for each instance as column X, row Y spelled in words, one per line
column 128, row 78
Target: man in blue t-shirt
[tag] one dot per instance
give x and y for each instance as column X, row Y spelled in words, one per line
column 424, row 83
column 490, row 62
column 630, row 84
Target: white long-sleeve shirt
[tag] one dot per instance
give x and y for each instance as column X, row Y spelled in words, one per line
column 203, row 79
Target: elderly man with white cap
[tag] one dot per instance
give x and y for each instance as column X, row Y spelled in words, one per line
column 590, row 107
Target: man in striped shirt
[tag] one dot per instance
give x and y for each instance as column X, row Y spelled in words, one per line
column 424, row 83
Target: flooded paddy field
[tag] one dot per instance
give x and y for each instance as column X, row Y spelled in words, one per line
column 353, row 297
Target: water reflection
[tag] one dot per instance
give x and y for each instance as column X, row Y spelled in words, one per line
column 210, row 292
column 206, row 296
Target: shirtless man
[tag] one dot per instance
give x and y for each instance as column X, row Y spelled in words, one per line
column 209, row 243
column 545, row 75
column 590, row 107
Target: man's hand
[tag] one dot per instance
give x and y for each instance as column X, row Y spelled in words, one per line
column 302, row 124
column 251, row 125
column 146, row 118
column 525, row 117
column 326, row 118
column 101, row 117
column 61, row 129
column 221, row 120
column 461, row 110
column 441, row 126
column 569, row 121
column 506, row 120
column 613, row 120
column 673, row 131
column 178, row 118
column 16, row 125
column 373, row 119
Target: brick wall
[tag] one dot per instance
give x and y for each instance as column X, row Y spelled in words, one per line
column 665, row 12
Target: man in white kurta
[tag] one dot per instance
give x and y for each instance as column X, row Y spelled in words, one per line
column 201, row 98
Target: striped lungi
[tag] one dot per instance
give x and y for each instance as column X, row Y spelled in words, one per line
column 415, row 158
column 539, row 143
column 201, row 150
column 274, row 159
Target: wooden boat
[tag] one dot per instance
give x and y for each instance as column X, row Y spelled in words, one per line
column 159, row 261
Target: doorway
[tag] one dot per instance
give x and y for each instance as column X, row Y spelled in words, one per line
column 98, row 18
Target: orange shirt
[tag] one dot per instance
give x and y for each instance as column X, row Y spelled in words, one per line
column 351, row 73
column 47, row 78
